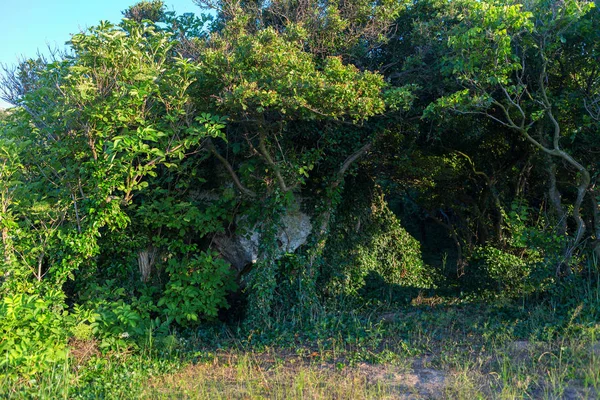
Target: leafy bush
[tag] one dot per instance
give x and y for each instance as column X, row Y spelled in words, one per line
column 34, row 329
column 368, row 239
column 196, row 289
column 391, row 251
column 521, row 264
column 507, row 270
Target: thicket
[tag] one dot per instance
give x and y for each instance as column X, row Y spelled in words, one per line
column 270, row 159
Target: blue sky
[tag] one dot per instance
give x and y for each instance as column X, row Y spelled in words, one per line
column 27, row 26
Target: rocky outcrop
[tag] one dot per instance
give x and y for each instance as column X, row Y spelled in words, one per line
column 241, row 250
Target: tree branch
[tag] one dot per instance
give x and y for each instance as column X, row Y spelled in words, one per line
column 263, row 150
column 229, row 168
column 348, row 162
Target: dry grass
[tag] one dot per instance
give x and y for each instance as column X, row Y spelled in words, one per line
column 283, row 376
column 514, row 369
column 521, row 369
column 82, row 350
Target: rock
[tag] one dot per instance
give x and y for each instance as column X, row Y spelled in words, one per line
column 238, row 254
column 241, row 250
column 296, row 228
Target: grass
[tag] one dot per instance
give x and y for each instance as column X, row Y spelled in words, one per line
column 454, row 353
column 435, row 347
column 251, row 375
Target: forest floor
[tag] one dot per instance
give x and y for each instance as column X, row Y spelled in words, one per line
column 432, row 348
column 266, row 375
column 435, row 361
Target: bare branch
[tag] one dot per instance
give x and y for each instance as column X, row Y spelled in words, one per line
column 348, row 162
column 515, row 104
column 593, row 107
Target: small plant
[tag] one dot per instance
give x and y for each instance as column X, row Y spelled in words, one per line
column 82, row 331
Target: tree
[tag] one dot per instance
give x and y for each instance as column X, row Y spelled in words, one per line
column 508, row 57
column 290, row 114
column 265, row 79
column 153, row 11
column 350, row 29
column 124, row 118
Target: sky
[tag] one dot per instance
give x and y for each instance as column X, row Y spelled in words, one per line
column 29, row 26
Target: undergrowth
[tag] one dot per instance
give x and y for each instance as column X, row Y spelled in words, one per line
column 545, row 347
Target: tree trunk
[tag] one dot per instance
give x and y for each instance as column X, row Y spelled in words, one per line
column 556, row 199
column 146, row 259
column 595, row 207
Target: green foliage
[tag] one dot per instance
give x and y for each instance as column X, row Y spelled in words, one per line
column 78, row 176
column 263, row 80
column 509, row 270
column 483, row 48
column 265, row 294
column 33, row 332
column 108, row 142
column 369, row 240
column 520, row 266
column 153, row 10
column 83, row 331
column 121, row 177
column 196, row 287
column 268, row 71
column 391, row 252
column 329, row 28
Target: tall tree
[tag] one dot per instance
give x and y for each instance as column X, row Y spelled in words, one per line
column 510, row 60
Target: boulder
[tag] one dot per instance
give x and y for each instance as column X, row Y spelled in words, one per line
column 241, row 250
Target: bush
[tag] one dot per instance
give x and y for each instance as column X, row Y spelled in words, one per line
column 197, row 289
column 34, row 329
column 391, row 251
column 369, row 240
column 523, row 263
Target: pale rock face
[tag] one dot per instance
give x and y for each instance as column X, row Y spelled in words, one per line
column 296, row 228
column 241, row 250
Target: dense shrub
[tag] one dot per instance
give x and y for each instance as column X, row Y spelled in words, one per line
column 34, row 329
column 368, row 239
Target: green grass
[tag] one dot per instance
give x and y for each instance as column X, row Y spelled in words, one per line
column 436, row 347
